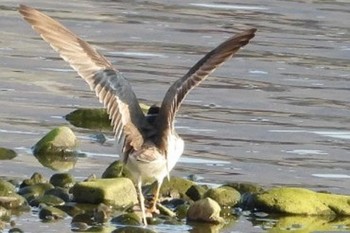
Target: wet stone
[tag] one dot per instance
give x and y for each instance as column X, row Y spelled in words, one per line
column 205, row 210
column 245, row 187
column 131, row 229
column 301, row 201
column 57, row 140
column 36, row 178
column 102, row 213
column 127, row 219
column 47, row 199
column 35, row 190
column 50, row 213
column 90, row 118
column 83, row 218
column 16, row 230
column 9, row 199
column 181, row 211
column 196, row 192
column 60, row 192
column 175, row 187
column 7, row 154
column 114, row 170
column 63, row 180
column 224, row 196
column 107, row 191
column 79, row 226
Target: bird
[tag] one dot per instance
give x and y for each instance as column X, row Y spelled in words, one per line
column 150, row 145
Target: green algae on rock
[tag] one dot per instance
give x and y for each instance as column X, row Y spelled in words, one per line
column 205, row 210
column 108, row 191
column 7, row 154
column 301, row 201
column 224, row 195
column 63, row 180
column 60, row 139
column 175, row 187
column 9, row 199
column 132, row 229
column 116, row 169
column 49, row 213
column 93, row 118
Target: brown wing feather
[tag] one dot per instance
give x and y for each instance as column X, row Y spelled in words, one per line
column 112, row 89
column 202, row 69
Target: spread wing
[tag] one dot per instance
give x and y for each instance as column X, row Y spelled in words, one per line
column 112, row 89
column 202, row 69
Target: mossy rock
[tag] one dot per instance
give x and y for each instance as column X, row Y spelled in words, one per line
column 58, row 140
column 224, row 195
column 196, row 192
column 243, row 188
column 63, row 180
column 175, row 187
column 90, row 118
column 36, row 178
column 93, row 118
column 47, row 199
column 132, row 229
column 9, row 199
column 6, row 188
column 115, row 170
column 301, row 201
column 7, row 154
column 35, row 190
column 205, row 210
column 49, row 213
column 127, row 219
column 108, row 191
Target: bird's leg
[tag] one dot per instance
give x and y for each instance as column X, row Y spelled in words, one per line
column 153, row 208
column 142, row 201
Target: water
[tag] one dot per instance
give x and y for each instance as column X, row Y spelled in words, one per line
column 276, row 114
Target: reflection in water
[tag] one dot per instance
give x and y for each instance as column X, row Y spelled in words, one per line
column 61, row 161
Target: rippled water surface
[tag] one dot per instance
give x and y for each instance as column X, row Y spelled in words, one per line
column 278, row 113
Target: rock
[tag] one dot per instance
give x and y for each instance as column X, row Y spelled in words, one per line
column 102, row 213
column 301, row 201
column 4, row 213
column 246, row 187
column 60, row 139
column 196, row 192
column 108, row 191
column 114, row 170
column 56, row 149
column 36, row 178
column 181, row 211
column 6, row 188
column 16, row 230
column 224, row 196
column 83, row 218
column 127, row 219
column 47, row 199
column 73, row 208
column 35, row 190
column 205, row 210
column 7, row 154
column 63, row 180
column 165, row 211
column 131, row 229
column 90, row 118
column 60, row 192
column 9, row 199
column 175, row 187
column 49, row 213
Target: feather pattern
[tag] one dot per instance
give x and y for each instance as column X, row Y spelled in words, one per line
column 112, row 89
column 201, row 70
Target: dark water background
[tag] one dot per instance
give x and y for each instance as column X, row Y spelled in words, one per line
column 277, row 114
